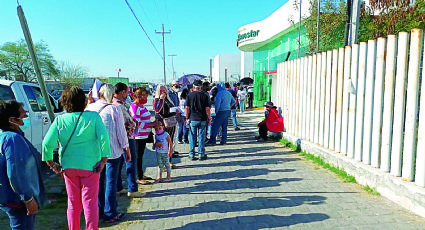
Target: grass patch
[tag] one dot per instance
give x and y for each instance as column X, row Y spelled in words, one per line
column 371, row 191
column 318, row 160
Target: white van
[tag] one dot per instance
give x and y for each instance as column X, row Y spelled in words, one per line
column 30, row 95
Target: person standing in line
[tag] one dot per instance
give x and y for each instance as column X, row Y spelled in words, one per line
column 162, row 105
column 163, row 147
column 233, row 107
column 113, row 120
column 143, row 129
column 250, row 96
column 223, row 103
column 173, row 93
column 183, row 128
column 241, row 99
column 120, row 96
column 198, row 115
column 83, row 152
column 21, row 186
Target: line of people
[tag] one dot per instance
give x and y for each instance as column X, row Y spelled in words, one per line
column 97, row 136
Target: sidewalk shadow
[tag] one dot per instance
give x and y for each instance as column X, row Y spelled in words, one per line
column 254, row 203
column 258, row 221
column 244, row 163
column 240, row 173
column 223, row 186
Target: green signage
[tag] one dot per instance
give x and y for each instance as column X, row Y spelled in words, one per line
column 250, row 34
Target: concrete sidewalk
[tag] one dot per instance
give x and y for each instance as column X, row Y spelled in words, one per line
column 251, row 185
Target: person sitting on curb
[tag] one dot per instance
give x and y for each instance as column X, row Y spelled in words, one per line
column 271, row 123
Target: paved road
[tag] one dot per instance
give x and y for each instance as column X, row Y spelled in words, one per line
column 250, row 185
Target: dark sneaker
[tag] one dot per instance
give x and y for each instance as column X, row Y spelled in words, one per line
column 117, row 218
column 180, row 142
column 209, row 143
column 186, row 142
column 203, row 158
column 237, row 128
column 261, row 140
column 193, row 158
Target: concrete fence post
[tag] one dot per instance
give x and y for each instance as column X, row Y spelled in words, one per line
column 368, row 104
column 305, row 97
column 293, row 99
column 322, row 98
column 409, row 147
column 352, row 88
column 346, row 100
column 313, row 97
column 297, row 98
column 308, row 103
column 301, row 98
column 339, row 98
column 387, row 118
column 360, row 92
column 318, row 92
column 332, row 116
column 420, row 158
column 327, row 98
column 378, row 103
column 399, row 103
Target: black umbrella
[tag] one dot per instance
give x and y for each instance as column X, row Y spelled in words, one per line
column 247, row 80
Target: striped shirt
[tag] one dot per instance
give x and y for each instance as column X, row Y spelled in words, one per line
column 114, row 121
column 143, row 118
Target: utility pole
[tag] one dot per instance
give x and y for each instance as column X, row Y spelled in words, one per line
column 318, row 26
column 211, row 69
column 354, row 22
column 163, row 49
column 299, row 33
column 172, row 64
column 348, row 25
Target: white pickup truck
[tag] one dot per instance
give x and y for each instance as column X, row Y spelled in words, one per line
column 30, row 95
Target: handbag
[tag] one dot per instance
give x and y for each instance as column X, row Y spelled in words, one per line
column 150, row 138
column 170, row 121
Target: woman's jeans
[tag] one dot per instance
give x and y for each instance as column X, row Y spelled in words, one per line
column 108, row 189
column 130, row 168
column 183, row 131
column 140, row 146
column 234, row 120
column 18, row 218
column 242, row 105
column 221, row 119
column 82, row 187
column 195, row 127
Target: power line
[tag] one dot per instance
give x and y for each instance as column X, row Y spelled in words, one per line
column 143, row 29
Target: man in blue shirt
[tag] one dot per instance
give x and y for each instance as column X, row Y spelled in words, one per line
column 233, row 108
column 223, row 103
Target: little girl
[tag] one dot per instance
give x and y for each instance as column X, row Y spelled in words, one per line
column 164, row 149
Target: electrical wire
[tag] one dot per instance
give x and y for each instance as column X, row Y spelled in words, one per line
column 140, row 24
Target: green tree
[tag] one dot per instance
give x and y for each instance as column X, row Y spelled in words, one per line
column 15, row 61
column 331, row 27
column 72, row 75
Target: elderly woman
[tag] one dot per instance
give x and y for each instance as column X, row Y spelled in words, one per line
column 84, row 150
column 162, row 105
column 21, row 186
column 113, row 119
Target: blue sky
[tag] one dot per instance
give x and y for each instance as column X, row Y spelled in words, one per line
column 104, row 35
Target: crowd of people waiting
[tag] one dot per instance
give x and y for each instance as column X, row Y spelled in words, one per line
column 103, row 131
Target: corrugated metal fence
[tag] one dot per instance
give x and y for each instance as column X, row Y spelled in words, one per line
column 361, row 101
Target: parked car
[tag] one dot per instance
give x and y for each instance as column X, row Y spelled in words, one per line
column 29, row 94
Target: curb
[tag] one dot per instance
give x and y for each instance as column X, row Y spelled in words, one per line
column 405, row 194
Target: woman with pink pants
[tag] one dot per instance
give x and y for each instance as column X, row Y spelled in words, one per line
column 84, row 150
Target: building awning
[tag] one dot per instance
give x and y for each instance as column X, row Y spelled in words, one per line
column 270, row 72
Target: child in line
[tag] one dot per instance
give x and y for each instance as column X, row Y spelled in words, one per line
column 164, row 149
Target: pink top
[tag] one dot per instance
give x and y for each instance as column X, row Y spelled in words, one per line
column 143, row 118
